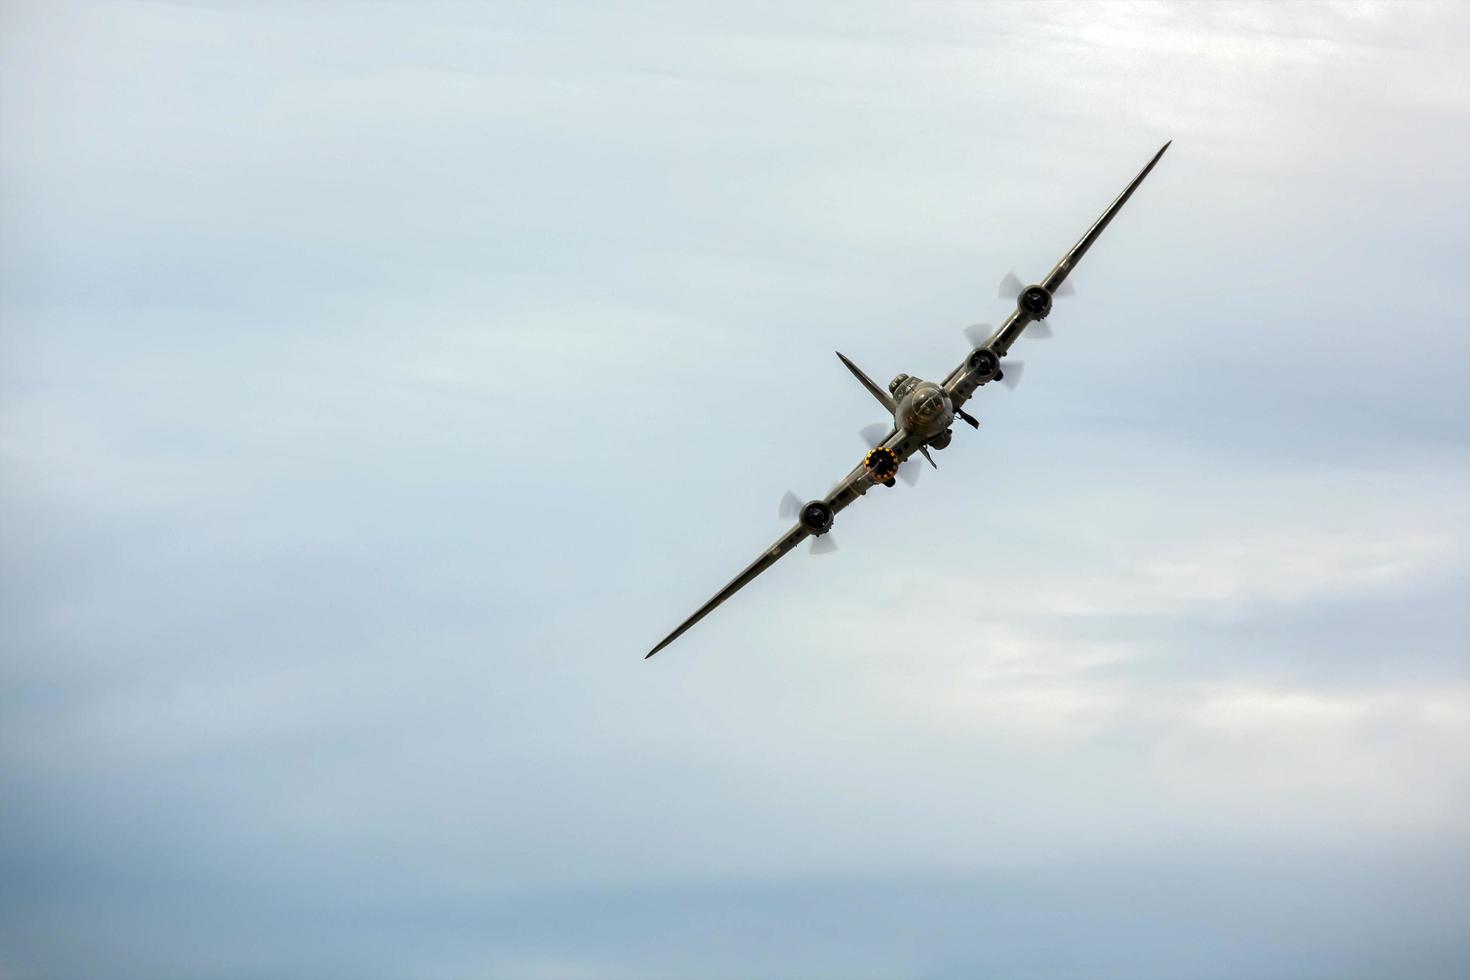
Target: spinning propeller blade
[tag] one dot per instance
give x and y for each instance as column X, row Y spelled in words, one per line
column 791, row 506
column 1010, row 374
column 978, row 333
column 1010, row 287
column 872, row 435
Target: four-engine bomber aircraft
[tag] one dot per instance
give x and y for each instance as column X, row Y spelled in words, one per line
column 922, row 411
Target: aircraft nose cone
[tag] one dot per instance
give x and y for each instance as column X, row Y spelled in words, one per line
column 927, row 410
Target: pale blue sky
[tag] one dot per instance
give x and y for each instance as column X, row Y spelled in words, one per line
column 378, row 382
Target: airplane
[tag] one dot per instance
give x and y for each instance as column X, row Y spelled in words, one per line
column 923, row 411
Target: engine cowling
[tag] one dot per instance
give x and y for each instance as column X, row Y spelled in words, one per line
column 984, row 364
column 1035, row 302
column 882, row 463
column 817, row 516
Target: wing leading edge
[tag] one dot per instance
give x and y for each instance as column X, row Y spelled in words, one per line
column 963, row 380
column 960, row 384
column 1058, row 275
column 854, row 485
column 789, row 540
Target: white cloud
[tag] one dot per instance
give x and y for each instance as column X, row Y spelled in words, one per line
column 379, row 381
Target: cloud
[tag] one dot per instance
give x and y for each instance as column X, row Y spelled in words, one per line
column 377, row 383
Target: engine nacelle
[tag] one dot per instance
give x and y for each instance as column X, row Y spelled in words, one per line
column 1035, row 302
column 817, row 517
column 882, row 463
column 984, row 364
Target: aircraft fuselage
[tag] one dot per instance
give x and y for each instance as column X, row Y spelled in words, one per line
column 922, row 409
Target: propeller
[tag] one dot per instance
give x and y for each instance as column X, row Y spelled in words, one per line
column 791, row 505
column 1010, row 287
column 872, row 435
column 978, row 334
column 1010, row 374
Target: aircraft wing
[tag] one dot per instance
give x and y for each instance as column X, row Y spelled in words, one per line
column 852, row 486
column 963, row 380
column 769, row 557
column 1058, row 274
column 981, row 366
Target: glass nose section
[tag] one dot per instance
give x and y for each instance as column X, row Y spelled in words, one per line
column 928, row 405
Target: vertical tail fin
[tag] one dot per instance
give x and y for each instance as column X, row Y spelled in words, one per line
column 883, row 397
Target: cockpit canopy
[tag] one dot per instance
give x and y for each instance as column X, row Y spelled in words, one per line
column 901, row 385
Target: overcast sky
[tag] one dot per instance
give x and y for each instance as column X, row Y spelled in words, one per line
column 380, row 381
